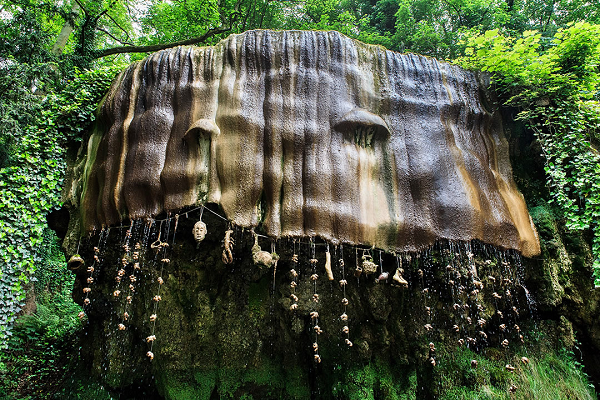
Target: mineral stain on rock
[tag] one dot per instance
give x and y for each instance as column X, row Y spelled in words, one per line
column 306, row 134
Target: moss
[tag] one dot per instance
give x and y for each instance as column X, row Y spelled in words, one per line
column 258, row 296
column 375, row 380
column 548, row 374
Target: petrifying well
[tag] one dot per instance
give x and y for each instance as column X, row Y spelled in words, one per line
column 306, row 134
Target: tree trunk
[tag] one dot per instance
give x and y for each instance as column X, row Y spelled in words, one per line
column 65, row 32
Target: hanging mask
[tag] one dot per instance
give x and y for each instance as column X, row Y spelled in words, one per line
column 199, row 231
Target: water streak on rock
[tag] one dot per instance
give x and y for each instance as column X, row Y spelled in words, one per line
column 307, row 133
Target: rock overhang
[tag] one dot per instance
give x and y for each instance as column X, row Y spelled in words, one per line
column 306, row 134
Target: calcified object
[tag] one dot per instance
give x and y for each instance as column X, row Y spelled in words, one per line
column 262, row 258
column 199, row 231
column 227, row 256
column 328, row 265
column 358, row 271
column 368, row 266
column 383, row 277
column 399, row 279
column 75, row 262
column 236, row 124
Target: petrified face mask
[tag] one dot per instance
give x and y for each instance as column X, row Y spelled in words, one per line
column 199, row 231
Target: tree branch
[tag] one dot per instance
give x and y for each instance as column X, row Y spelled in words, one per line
column 85, row 11
column 114, row 38
column 127, row 37
column 105, row 11
column 157, row 47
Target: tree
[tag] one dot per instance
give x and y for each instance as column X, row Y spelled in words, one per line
column 557, row 88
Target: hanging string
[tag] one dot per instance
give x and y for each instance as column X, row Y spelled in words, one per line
column 314, row 315
column 90, row 279
column 121, row 265
column 294, row 282
column 136, row 258
column 343, row 283
column 162, row 246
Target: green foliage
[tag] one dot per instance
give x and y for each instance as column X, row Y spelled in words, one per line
column 26, row 35
column 376, row 380
column 557, row 90
column 549, row 374
column 42, row 349
column 36, row 133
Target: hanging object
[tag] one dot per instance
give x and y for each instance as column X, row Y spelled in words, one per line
column 399, row 279
column 199, row 231
column 368, row 266
column 293, row 283
column 75, row 262
column 328, row 264
column 228, row 247
column 263, row 258
column 383, row 277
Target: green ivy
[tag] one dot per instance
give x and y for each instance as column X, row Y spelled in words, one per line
column 556, row 88
column 32, row 175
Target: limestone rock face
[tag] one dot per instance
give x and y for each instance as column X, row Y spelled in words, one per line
column 306, row 134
